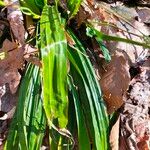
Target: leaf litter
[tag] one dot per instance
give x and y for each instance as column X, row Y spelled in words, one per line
column 125, row 81
column 135, row 117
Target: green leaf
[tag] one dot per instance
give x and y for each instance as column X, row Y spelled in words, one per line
column 100, row 35
column 84, row 140
column 40, row 3
column 104, row 50
column 54, row 66
column 32, row 7
column 29, row 12
column 28, row 125
column 73, row 6
column 94, row 110
column 2, row 3
column 92, row 33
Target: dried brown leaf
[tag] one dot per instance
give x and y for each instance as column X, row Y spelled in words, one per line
column 82, row 16
column 144, row 145
column 29, row 49
column 114, row 135
column 70, row 40
column 10, row 65
column 114, row 82
column 15, row 19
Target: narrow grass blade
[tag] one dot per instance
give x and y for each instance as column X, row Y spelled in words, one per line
column 54, row 70
column 73, row 6
column 90, row 96
column 91, row 33
column 83, row 139
column 28, row 125
column 101, row 36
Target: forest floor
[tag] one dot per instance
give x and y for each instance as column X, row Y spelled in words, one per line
column 125, row 81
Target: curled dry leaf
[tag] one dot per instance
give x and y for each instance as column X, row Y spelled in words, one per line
column 114, row 82
column 15, row 19
column 30, row 26
column 10, row 64
column 29, row 49
column 114, row 135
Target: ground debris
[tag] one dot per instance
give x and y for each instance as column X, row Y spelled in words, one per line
column 135, row 116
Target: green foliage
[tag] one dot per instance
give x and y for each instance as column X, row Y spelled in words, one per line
column 84, row 141
column 29, row 123
column 32, row 7
column 2, row 3
column 100, row 35
column 91, row 32
column 54, row 70
column 73, row 6
column 67, row 78
column 90, row 99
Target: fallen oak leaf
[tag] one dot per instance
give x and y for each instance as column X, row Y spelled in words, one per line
column 14, row 58
column 10, row 64
column 114, row 82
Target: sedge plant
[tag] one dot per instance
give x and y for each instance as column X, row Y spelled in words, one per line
column 61, row 102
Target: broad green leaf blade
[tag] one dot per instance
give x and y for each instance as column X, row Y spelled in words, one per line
column 90, row 96
column 28, row 125
column 73, row 6
column 84, row 141
column 54, row 66
column 40, row 3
